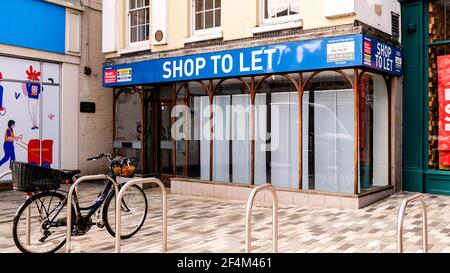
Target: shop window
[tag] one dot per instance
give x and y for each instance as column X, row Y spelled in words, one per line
column 373, row 131
column 276, row 131
column 438, row 114
column 207, row 15
column 276, row 153
column 139, row 20
column 231, row 132
column 128, row 122
column 191, row 131
column 439, row 20
column 280, row 10
column 328, row 134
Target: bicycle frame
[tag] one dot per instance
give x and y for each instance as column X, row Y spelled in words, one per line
column 78, row 209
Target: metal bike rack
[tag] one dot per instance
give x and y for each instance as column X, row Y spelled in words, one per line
column 164, row 208
column 69, row 202
column 401, row 216
column 248, row 217
column 5, row 174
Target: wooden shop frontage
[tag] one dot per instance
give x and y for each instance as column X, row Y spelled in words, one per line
column 312, row 117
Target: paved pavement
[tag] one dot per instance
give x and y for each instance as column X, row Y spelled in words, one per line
column 203, row 225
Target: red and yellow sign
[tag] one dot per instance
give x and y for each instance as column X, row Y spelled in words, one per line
column 444, row 110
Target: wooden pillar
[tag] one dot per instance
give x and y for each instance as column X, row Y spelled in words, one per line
column 300, row 130
column 174, row 142
column 143, row 145
column 252, row 130
column 211, row 127
column 115, row 94
column 356, row 131
column 187, row 127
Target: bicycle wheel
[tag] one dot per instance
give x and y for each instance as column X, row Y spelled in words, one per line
column 133, row 212
column 46, row 213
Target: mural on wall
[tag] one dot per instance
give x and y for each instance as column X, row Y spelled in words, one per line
column 8, row 145
column 32, row 90
column 29, row 112
column 2, row 109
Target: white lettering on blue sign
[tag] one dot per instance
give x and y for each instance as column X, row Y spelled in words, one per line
column 180, row 68
column 227, row 63
column 347, row 51
column 383, row 57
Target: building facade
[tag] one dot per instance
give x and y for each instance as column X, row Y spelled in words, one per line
column 426, row 39
column 50, row 61
column 215, row 97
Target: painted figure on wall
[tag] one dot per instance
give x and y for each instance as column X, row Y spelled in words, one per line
column 2, row 109
column 8, row 145
column 32, row 90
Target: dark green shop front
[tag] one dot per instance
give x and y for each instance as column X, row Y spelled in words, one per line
column 426, row 41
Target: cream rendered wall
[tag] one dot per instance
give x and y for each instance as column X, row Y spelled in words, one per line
column 69, row 116
column 238, row 18
column 121, row 38
column 178, row 25
column 312, row 14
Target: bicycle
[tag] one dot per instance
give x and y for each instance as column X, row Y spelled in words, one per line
column 47, row 211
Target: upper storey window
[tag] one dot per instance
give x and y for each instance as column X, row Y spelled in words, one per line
column 207, row 15
column 139, row 20
column 279, row 10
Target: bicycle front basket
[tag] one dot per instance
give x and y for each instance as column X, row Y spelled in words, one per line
column 32, row 178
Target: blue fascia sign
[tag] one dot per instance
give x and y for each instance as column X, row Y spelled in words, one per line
column 328, row 53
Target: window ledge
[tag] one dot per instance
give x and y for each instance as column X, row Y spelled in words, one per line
column 135, row 48
column 67, row 4
column 76, row 54
column 203, row 37
column 275, row 27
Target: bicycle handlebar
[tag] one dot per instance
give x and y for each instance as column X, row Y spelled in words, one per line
column 100, row 156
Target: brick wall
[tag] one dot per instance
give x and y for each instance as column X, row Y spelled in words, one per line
column 95, row 130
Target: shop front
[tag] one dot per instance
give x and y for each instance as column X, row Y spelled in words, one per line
column 426, row 95
column 312, row 117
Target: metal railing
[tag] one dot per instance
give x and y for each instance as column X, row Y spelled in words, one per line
column 248, row 217
column 5, row 174
column 401, row 216
column 69, row 202
column 164, row 209
column 28, row 230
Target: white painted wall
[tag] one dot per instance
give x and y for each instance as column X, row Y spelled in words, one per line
column 109, row 29
column 69, row 117
column 365, row 12
column 334, row 9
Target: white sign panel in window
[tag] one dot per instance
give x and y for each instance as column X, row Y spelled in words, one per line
column 341, row 52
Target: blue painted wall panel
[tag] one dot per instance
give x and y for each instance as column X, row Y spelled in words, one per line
column 33, row 24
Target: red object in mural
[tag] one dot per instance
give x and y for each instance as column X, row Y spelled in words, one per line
column 34, row 152
column 444, row 110
column 35, row 155
column 33, row 75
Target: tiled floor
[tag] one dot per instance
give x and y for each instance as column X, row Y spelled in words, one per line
column 206, row 225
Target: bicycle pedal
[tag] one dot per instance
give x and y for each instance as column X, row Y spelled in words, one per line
column 100, row 225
